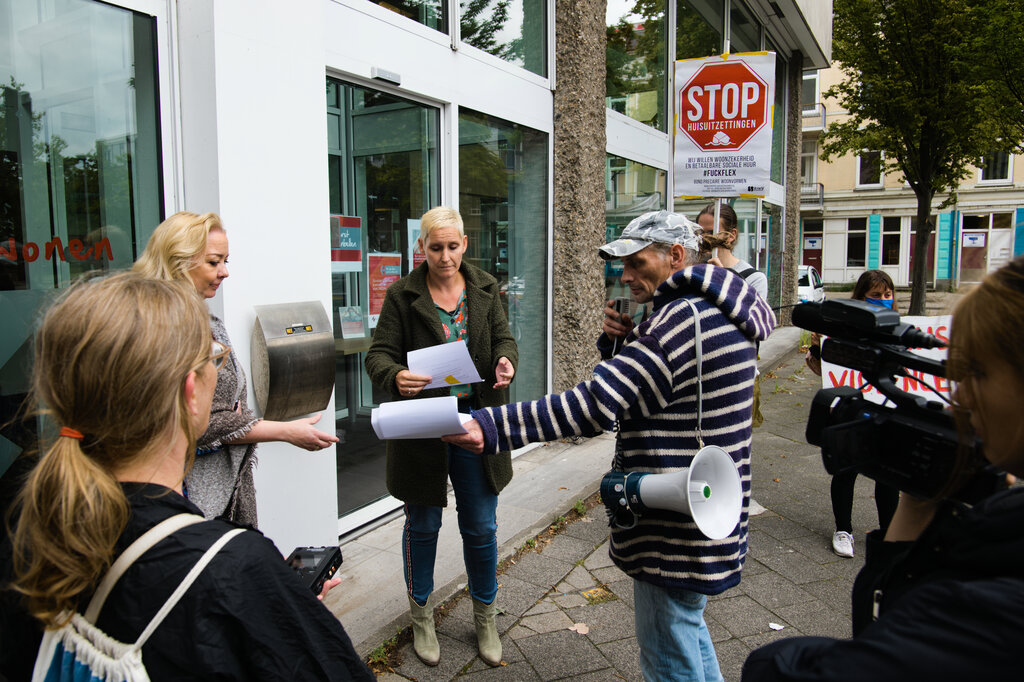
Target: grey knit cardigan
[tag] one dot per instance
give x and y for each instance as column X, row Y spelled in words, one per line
column 417, row 469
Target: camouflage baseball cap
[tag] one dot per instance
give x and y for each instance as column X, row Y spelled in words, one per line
column 657, row 226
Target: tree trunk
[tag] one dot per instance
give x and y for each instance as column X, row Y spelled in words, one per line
column 579, row 137
column 794, row 138
column 923, row 232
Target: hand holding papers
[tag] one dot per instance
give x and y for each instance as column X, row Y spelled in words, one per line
column 448, row 364
column 423, row 418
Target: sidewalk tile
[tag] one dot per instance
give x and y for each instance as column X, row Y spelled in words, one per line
column 539, row 569
column 547, row 622
column 624, row 655
column 608, row 621
column 561, row 654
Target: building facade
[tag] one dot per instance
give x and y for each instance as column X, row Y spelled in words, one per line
column 118, row 114
column 855, row 216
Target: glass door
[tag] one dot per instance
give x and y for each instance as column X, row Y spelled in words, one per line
column 80, row 167
column 383, row 170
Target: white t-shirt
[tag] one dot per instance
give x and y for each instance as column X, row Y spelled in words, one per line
column 757, row 279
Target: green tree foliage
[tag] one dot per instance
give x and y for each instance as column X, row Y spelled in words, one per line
column 918, row 89
column 479, row 22
column 1000, row 42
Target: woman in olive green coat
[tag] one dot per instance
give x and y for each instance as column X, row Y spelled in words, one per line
column 446, row 300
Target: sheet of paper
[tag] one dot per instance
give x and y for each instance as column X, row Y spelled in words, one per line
column 447, row 364
column 422, row 418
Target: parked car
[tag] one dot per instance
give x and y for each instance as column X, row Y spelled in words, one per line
column 809, row 287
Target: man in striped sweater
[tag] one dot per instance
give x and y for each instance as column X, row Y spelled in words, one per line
column 648, row 390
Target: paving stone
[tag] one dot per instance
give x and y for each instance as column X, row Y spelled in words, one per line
column 752, row 567
column 607, row 621
column 731, row 656
column 760, row 545
column 846, row 569
column 518, row 632
column 516, row 596
column 543, row 606
column 540, row 570
column 568, row 601
column 817, row 548
column 780, row 528
column 514, row 672
column 562, row 654
column 742, row 615
column 455, row 655
column 547, row 622
column 756, row 641
column 568, row 548
column 580, row 578
column 607, row 575
column 510, row 654
column 599, row 558
column 623, row 589
column 624, row 655
column 607, row 675
column 593, row 527
column 817, row 619
column 834, row 593
column 771, row 591
column 797, row 568
column 717, row 631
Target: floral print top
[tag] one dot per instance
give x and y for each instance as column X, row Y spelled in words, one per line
column 454, row 324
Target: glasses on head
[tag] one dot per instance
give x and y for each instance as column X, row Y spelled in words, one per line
column 219, row 354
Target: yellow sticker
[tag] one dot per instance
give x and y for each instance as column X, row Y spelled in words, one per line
column 451, row 380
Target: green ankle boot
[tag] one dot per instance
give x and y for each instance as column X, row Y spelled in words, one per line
column 424, row 639
column 486, row 633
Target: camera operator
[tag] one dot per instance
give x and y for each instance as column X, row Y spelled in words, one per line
column 941, row 595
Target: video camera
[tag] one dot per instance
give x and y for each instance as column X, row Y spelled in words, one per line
column 911, row 444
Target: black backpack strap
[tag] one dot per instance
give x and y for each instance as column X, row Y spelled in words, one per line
column 746, row 273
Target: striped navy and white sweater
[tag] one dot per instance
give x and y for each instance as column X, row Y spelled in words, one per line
column 649, row 388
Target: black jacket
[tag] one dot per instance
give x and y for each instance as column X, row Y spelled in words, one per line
column 950, row 606
column 247, row 616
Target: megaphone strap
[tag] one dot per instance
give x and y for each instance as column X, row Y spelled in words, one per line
column 697, row 354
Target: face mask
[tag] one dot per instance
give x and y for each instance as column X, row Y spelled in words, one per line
column 884, row 302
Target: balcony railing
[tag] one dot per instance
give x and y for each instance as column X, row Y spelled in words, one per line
column 814, row 116
column 812, row 196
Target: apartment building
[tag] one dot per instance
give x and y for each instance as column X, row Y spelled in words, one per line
column 854, row 216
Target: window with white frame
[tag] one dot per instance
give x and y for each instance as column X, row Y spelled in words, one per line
column 869, row 168
column 856, row 242
column 809, row 93
column 809, row 162
column 995, row 167
column 891, row 240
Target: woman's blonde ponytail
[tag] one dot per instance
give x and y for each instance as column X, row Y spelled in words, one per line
column 111, row 358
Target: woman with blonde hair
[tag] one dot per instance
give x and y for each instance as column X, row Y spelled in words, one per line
column 194, row 248
column 126, row 369
column 446, row 300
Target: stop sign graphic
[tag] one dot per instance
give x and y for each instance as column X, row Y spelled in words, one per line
column 723, row 105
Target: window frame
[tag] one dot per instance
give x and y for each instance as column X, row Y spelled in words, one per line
column 860, row 170
column 1007, row 180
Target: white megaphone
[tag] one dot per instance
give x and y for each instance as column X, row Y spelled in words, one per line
column 709, row 492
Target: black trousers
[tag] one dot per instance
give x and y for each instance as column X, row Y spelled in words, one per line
column 886, row 499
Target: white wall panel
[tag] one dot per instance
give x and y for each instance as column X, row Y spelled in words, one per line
column 254, row 137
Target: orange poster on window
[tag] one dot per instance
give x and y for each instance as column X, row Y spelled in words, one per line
column 382, row 270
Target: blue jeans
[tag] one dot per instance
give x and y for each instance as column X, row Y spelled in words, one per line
column 672, row 635
column 476, row 507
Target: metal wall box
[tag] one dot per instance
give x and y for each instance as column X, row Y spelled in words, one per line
column 293, row 362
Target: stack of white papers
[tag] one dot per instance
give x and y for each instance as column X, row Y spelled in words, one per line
column 423, row 418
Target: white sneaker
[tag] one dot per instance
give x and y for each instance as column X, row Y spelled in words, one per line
column 755, row 509
column 842, row 543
